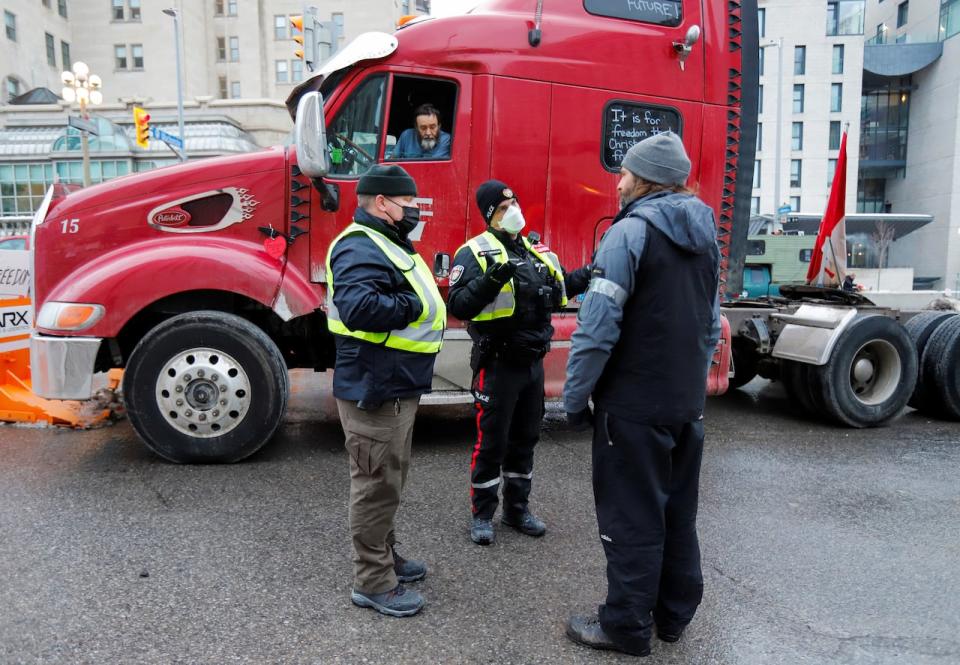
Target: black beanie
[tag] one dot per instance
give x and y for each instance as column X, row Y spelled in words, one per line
column 387, row 180
column 491, row 194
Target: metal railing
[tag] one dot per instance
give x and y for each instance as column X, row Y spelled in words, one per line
column 15, row 226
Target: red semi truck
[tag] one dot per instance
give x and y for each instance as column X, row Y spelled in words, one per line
column 206, row 280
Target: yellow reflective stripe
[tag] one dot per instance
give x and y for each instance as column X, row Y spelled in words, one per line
column 553, row 265
column 505, row 303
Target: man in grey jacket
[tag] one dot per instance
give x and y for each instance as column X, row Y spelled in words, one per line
column 646, row 334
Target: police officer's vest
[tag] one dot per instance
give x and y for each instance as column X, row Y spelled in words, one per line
column 487, row 245
column 425, row 335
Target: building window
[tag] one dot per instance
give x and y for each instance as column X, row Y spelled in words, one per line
column 235, row 89
column 338, row 28
column 845, row 17
column 296, row 70
column 234, row 49
column 795, row 203
column 757, row 247
column 62, row 8
column 13, row 87
column 137, row 52
column 762, row 19
column 760, row 60
column 831, row 171
column 46, row 3
column 756, row 174
column 836, row 97
column 120, row 56
column 282, row 69
column 797, row 136
column 834, row 135
column 949, row 18
column 231, row 7
column 218, row 7
column 806, row 255
column 902, row 39
column 118, row 10
column 10, row 21
column 65, row 55
column 902, row 10
column 837, row 59
column 881, row 35
column 798, row 98
column 223, row 86
column 759, row 99
column 759, row 136
column 799, row 60
column 280, row 27
column 221, row 49
column 796, row 173
column 134, row 10
column 755, row 205
column 51, row 49
column 23, row 186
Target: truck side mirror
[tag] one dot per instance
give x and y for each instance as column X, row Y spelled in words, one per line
column 441, row 264
column 310, row 136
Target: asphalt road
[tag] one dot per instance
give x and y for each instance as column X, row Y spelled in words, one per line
column 820, row 545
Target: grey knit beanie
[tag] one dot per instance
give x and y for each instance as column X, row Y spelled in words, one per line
column 660, row 159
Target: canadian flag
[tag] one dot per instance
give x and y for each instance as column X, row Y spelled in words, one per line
column 828, row 264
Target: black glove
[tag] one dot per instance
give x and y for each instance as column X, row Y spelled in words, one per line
column 500, row 273
column 581, row 420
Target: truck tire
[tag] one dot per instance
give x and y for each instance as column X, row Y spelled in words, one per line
column 941, row 371
column 920, row 328
column 802, row 385
column 205, row 387
column 870, row 375
column 744, row 364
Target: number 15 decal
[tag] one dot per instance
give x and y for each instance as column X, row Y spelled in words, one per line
column 70, row 226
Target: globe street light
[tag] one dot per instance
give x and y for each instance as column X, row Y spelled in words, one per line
column 82, row 87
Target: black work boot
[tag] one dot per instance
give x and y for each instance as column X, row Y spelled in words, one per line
column 481, row 531
column 408, row 570
column 526, row 522
column 398, row 602
column 589, row 632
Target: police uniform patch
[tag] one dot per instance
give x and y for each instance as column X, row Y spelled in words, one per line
column 456, row 274
column 508, row 193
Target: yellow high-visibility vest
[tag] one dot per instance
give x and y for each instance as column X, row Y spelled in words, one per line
column 425, row 335
column 486, row 245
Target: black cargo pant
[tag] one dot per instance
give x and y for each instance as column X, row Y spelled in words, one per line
column 509, row 403
column 645, row 483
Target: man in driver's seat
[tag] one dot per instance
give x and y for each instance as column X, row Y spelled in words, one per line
column 425, row 140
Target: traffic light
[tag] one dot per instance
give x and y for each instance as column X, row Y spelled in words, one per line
column 141, row 120
column 297, row 23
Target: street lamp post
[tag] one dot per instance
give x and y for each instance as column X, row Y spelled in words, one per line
column 83, row 87
column 175, row 13
column 779, row 125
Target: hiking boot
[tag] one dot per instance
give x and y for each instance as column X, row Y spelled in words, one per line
column 527, row 523
column 589, row 632
column 481, row 531
column 669, row 634
column 408, row 570
column 398, row 602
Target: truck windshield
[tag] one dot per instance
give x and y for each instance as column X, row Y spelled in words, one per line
column 354, row 134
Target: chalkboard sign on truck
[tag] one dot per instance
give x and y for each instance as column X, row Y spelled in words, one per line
column 626, row 123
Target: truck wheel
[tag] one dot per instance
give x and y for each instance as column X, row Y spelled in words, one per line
column 205, row 387
column 871, row 373
column 920, row 328
column 744, row 364
column 941, row 371
column 800, row 382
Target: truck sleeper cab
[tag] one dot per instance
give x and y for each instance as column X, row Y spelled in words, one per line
column 207, row 280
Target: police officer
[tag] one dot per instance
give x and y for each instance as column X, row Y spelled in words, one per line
column 646, row 334
column 388, row 318
column 507, row 286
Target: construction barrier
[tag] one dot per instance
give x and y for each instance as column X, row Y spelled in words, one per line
column 18, row 403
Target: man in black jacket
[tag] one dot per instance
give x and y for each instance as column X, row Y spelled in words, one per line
column 646, row 334
column 388, row 318
column 507, row 286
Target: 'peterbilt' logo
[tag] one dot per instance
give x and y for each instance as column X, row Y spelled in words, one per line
column 170, row 217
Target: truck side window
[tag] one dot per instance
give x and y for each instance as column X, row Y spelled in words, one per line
column 659, row 12
column 626, row 123
column 354, row 135
column 422, row 113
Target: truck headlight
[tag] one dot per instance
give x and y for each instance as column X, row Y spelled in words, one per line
column 69, row 315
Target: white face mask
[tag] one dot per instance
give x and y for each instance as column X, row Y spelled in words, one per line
column 513, row 221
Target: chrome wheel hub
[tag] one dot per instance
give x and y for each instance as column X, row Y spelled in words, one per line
column 203, row 393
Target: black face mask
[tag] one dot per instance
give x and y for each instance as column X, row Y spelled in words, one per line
column 409, row 221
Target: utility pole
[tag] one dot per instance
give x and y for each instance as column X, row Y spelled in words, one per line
column 178, row 45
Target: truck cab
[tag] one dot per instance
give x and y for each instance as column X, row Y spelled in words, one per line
column 216, row 268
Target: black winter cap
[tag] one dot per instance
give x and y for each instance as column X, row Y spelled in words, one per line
column 491, row 194
column 390, row 180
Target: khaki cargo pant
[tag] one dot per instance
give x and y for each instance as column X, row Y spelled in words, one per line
column 378, row 443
